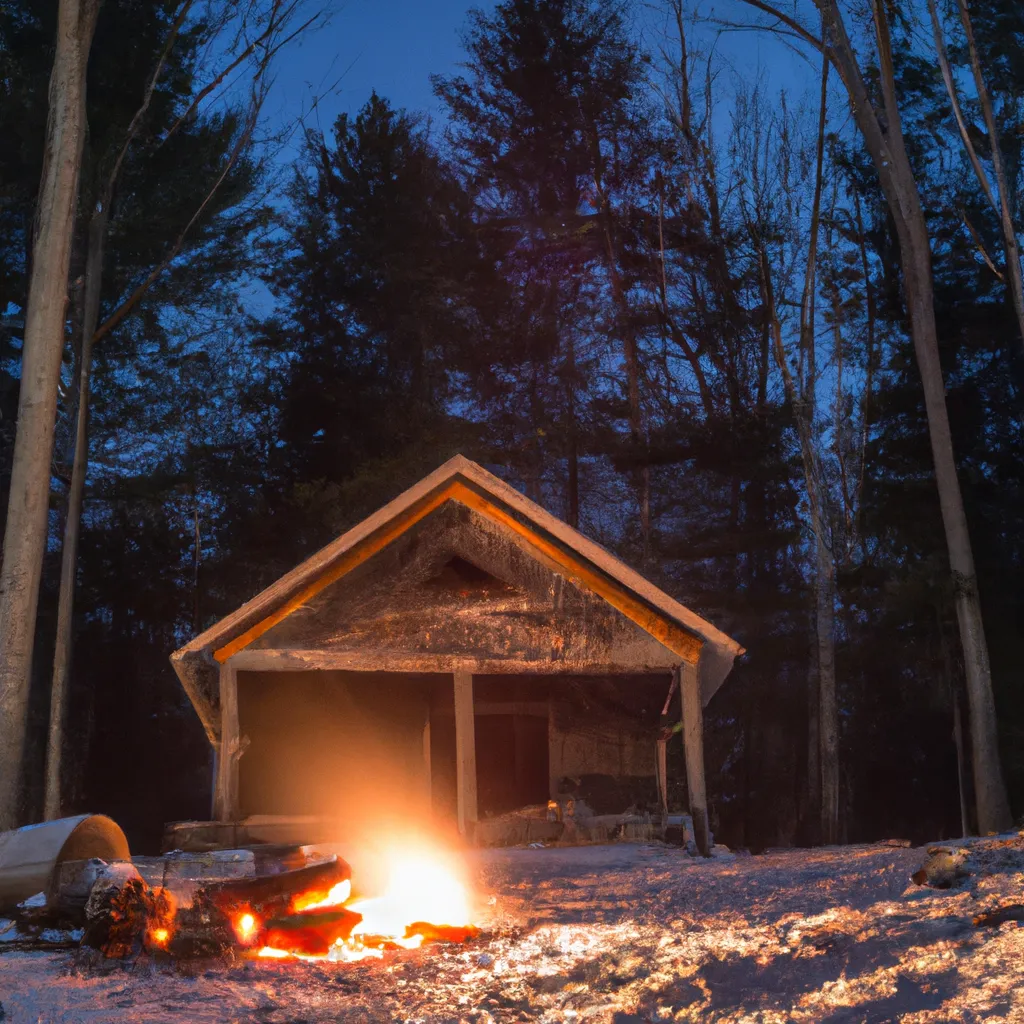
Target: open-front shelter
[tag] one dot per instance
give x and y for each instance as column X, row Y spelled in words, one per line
column 424, row 656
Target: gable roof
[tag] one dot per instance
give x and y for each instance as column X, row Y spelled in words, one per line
column 548, row 538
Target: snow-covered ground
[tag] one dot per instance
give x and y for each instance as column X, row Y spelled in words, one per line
column 619, row 935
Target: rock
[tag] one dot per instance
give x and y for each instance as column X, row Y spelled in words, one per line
column 943, row 868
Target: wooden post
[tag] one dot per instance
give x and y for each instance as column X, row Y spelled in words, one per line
column 428, row 786
column 225, row 796
column 661, row 767
column 693, row 742
column 465, row 752
column 554, row 752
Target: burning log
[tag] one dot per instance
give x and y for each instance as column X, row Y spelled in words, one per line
column 442, row 932
column 123, row 920
column 312, row 932
column 274, row 895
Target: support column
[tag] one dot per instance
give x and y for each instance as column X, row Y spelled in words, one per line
column 465, row 752
column 428, row 785
column 661, row 768
column 225, row 794
column 693, row 742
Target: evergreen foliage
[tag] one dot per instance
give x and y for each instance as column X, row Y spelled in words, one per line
column 568, row 285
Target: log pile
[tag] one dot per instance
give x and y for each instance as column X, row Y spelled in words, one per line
column 296, row 911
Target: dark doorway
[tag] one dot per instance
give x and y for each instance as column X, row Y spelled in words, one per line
column 511, row 762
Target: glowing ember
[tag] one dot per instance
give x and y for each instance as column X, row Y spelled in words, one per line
column 159, row 936
column 245, row 927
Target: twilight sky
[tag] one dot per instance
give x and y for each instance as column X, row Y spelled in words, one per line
column 394, row 45
column 389, row 45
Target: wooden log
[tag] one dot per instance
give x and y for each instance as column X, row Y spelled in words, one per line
column 225, row 800
column 272, row 895
column 693, row 742
column 312, row 932
column 465, row 753
column 30, row 855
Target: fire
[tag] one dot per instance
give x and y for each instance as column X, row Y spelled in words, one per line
column 245, row 927
column 423, row 894
column 418, row 889
column 159, row 936
column 338, row 895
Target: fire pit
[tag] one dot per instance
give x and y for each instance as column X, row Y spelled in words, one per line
column 308, row 913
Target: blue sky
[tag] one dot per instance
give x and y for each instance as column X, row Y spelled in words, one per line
column 392, row 46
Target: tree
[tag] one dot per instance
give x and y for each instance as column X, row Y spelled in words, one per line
column 1002, row 206
column 368, row 272
column 879, row 123
column 160, row 142
column 553, row 129
column 25, row 529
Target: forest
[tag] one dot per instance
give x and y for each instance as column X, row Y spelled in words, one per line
column 765, row 345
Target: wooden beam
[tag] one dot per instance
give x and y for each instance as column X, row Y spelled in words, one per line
column 225, row 794
column 693, row 742
column 295, row 659
column 465, row 752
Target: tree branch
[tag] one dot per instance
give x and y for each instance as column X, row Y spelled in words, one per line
column 954, row 99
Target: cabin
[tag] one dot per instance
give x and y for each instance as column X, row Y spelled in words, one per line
column 458, row 654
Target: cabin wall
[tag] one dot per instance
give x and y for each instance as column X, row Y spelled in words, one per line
column 374, row 747
column 345, row 745
column 610, row 765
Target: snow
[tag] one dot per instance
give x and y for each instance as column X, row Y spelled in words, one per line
column 618, row 934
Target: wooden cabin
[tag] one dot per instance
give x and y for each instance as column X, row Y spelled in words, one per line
column 461, row 652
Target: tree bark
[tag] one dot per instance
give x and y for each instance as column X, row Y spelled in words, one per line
column 26, row 529
column 72, row 522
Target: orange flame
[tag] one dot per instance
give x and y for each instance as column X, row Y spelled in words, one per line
column 421, row 887
column 245, row 927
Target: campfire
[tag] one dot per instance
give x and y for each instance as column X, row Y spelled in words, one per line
column 308, row 913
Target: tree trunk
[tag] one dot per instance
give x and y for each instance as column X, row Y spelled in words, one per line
column 72, row 523
column 828, row 704
column 813, row 816
column 886, row 147
column 26, row 530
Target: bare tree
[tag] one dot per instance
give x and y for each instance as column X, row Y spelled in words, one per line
column 1001, row 203
column 880, row 127
column 26, row 529
column 277, row 18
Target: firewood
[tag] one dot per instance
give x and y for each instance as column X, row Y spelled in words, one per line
column 442, row 932
column 127, row 920
column 1000, row 915
column 201, row 930
column 312, row 932
column 272, row 895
